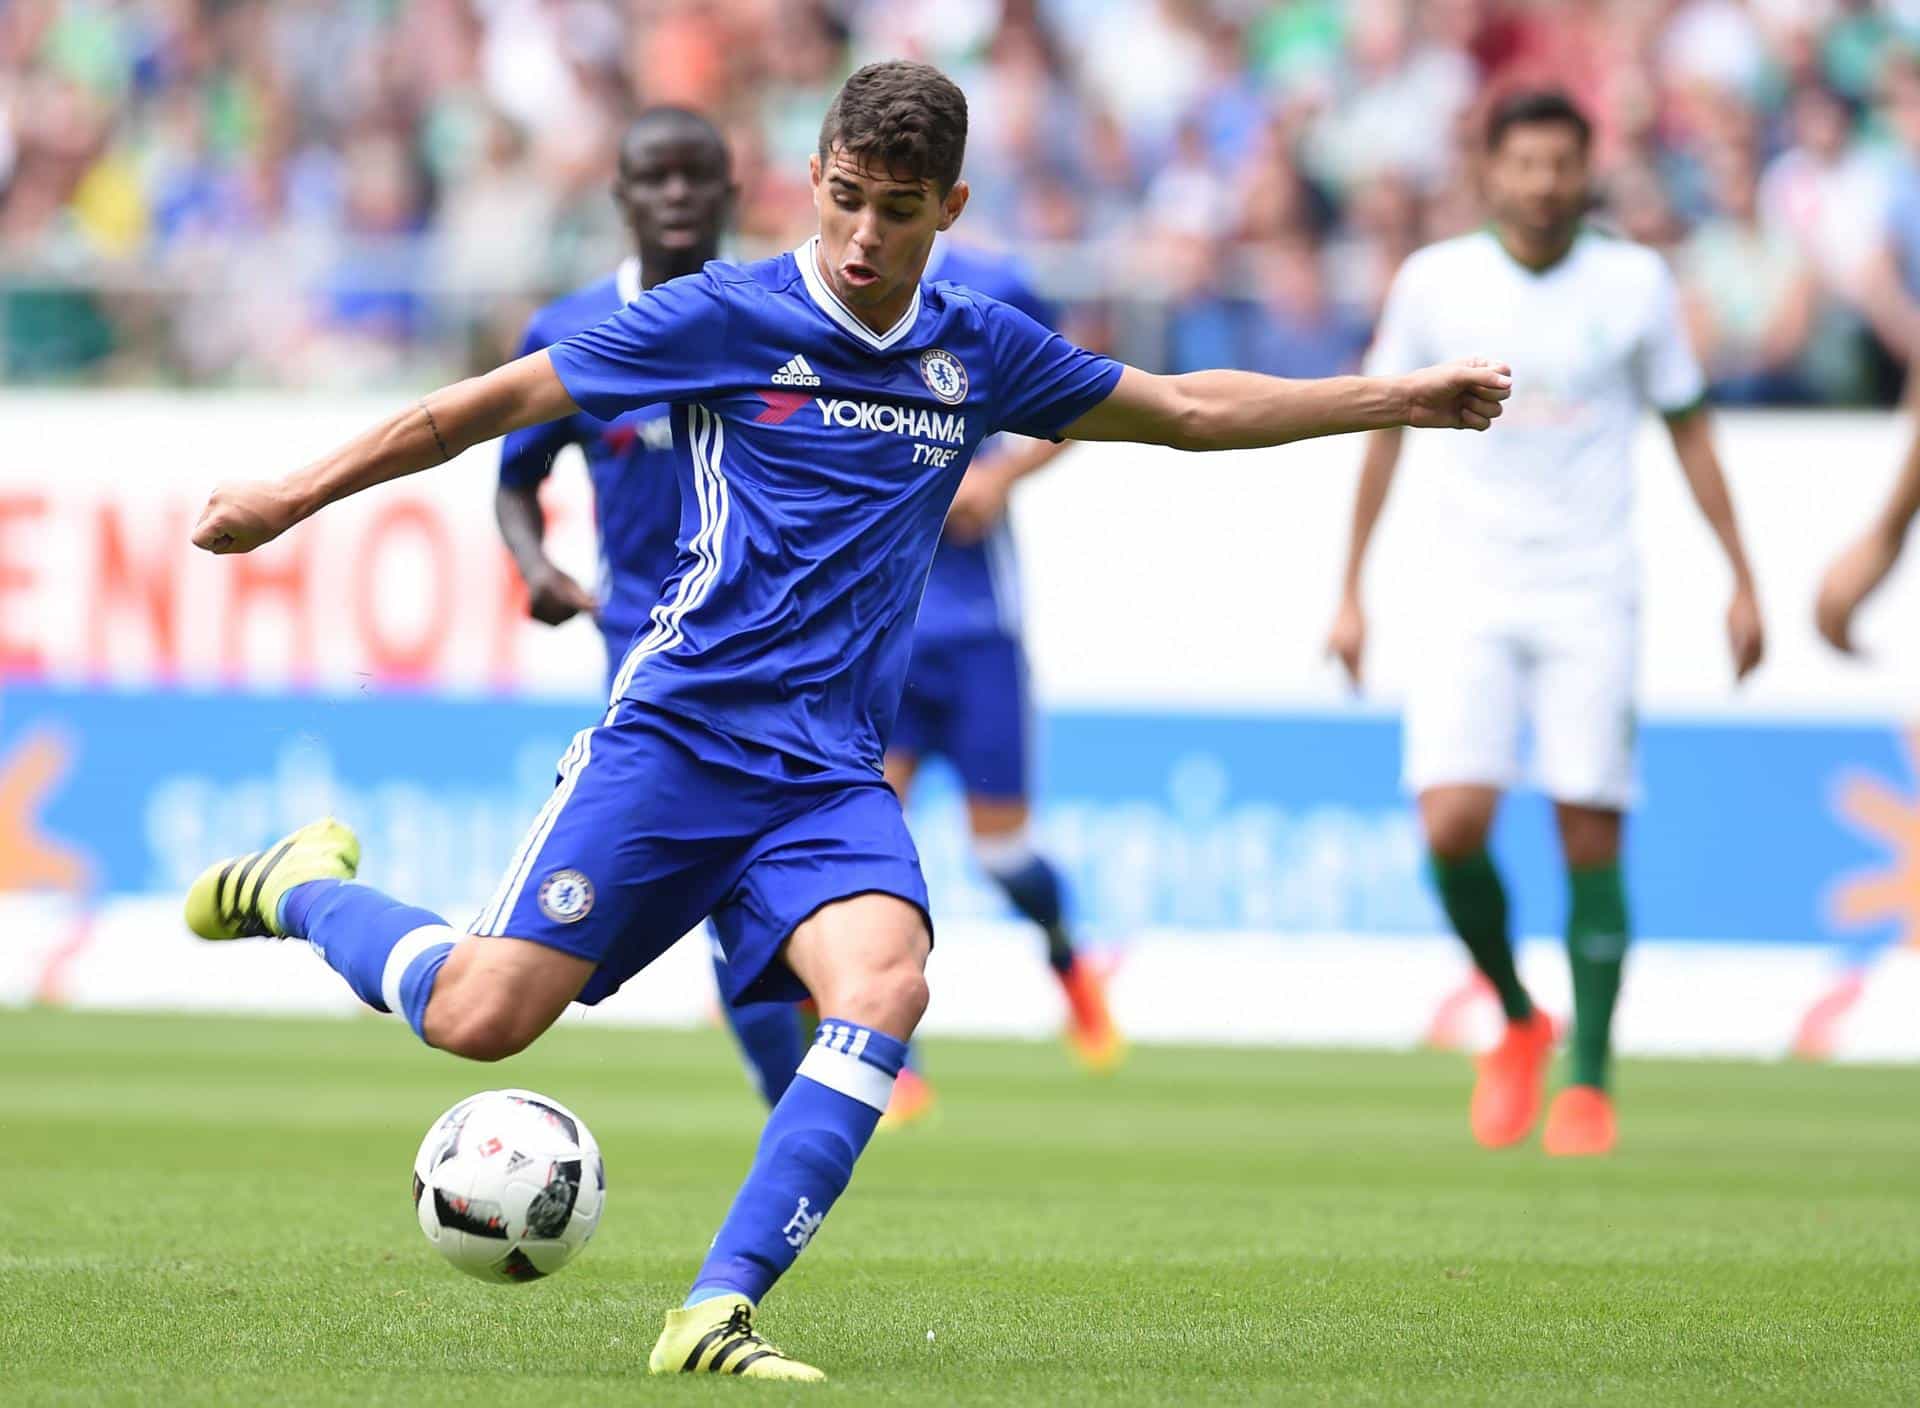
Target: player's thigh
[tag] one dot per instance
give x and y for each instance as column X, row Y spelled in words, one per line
column 1464, row 709
column 1589, row 836
column 851, row 843
column 865, row 958
column 1457, row 818
column 635, row 845
column 991, row 735
column 1585, row 752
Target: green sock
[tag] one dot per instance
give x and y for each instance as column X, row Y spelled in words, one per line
column 1476, row 906
column 1596, row 948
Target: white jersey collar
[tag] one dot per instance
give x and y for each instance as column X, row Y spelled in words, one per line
column 626, row 279
column 828, row 302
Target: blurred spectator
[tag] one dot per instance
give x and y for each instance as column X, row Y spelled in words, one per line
column 1299, row 331
column 1751, row 295
column 299, row 191
column 1827, row 189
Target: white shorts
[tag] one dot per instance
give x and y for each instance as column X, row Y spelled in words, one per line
column 1566, row 669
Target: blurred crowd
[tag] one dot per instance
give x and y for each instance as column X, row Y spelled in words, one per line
column 345, row 192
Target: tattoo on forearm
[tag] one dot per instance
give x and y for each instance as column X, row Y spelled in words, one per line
column 434, row 426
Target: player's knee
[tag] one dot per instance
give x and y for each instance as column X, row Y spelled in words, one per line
column 1455, row 832
column 891, row 996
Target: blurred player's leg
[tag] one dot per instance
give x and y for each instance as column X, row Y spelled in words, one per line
column 768, row 1034
column 1034, row 888
column 987, row 738
column 1584, row 726
column 1582, row 1119
column 1462, row 745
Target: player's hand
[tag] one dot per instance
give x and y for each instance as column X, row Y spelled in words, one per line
column 978, row 505
column 1462, row 395
column 1851, row 580
column 241, row 517
column 553, row 597
column 1347, row 641
column 1746, row 635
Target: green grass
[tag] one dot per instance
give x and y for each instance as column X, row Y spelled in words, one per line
column 216, row 1211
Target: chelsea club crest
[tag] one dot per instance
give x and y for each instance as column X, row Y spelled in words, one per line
column 566, row 896
column 944, row 375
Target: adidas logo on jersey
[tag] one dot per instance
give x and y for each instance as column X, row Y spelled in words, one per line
column 795, row 373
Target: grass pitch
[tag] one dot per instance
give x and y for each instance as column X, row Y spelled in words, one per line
column 215, row 1210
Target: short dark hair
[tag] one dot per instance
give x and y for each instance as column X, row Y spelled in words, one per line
column 667, row 117
column 1530, row 107
column 905, row 118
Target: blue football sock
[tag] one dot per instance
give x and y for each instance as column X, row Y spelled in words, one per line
column 389, row 953
column 769, row 1038
column 1033, row 887
column 805, row 1158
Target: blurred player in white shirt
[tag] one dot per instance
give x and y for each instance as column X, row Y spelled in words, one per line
column 1533, row 578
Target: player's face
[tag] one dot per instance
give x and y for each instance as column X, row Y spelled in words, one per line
column 1538, row 179
column 675, row 191
column 877, row 228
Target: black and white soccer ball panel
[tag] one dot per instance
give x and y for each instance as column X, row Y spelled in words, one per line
column 509, row 1185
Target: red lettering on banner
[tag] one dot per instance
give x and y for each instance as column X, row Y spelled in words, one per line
column 392, row 659
column 510, row 606
column 148, row 588
column 282, row 578
column 19, row 654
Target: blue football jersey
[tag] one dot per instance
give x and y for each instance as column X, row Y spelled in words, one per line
column 636, row 491
column 974, row 588
column 817, row 459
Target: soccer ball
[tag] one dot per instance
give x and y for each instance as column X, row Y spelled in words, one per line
column 508, row 1185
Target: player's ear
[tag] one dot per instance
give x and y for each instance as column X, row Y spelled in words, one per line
column 813, row 172
column 955, row 202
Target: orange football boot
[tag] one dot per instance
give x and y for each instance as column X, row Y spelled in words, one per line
column 1512, row 1082
column 912, row 1100
column 1580, row 1124
column 1090, row 1033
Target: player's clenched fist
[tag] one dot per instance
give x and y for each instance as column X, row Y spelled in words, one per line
column 241, row 517
column 1462, row 395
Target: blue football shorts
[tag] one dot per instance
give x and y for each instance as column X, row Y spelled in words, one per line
column 966, row 701
column 657, row 821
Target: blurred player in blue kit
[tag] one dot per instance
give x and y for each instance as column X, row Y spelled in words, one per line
column 966, row 697
column 825, row 406
column 675, row 191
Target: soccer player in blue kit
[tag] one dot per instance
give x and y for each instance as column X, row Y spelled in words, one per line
column 674, row 189
column 966, row 697
column 737, row 772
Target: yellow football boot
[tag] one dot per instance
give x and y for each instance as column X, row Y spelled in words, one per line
column 240, row 898
column 716, row 1337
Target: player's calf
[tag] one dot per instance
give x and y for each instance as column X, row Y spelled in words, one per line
column 484, row 998
column 862, row 958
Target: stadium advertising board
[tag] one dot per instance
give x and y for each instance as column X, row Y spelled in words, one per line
column 1231, row 822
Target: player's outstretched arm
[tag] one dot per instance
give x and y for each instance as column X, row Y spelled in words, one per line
column 240, row 517
column 1866, row 562
column 1228, row 410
